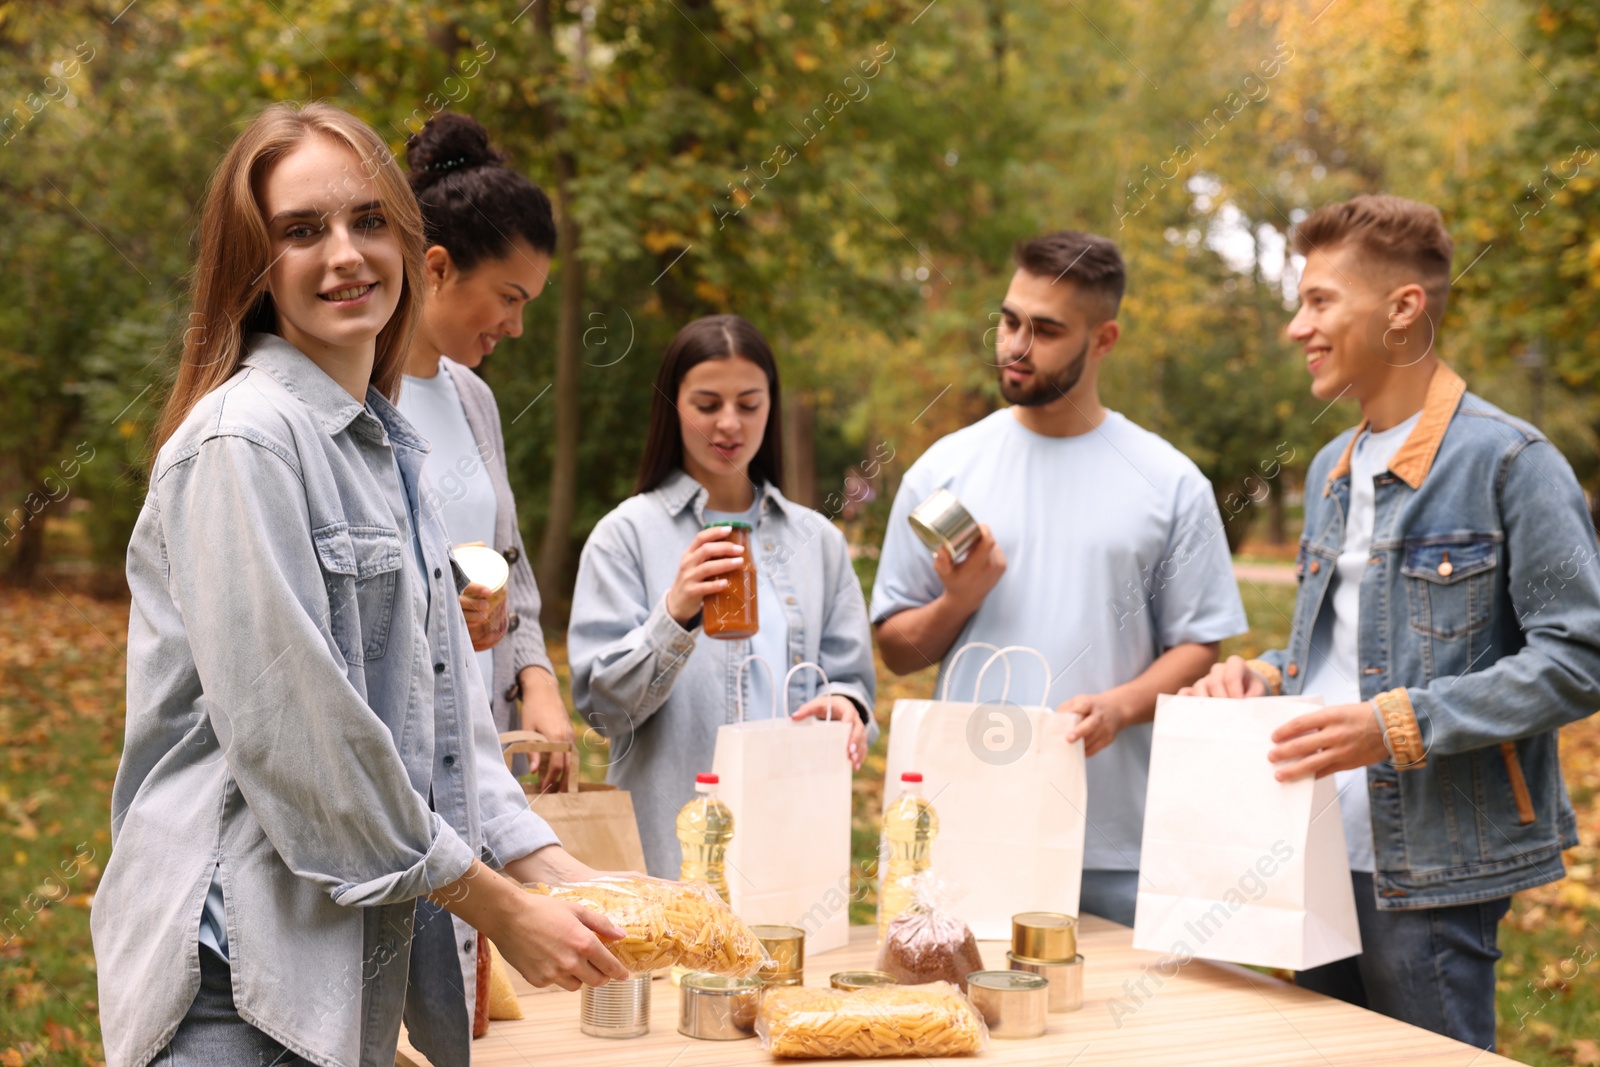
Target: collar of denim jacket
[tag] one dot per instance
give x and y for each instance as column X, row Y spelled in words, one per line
column 1414, row 459
column 679, row 491
column 334, row 408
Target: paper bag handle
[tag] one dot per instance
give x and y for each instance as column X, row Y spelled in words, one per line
column 950, row 666
column 801, row 667
column 738, row 685
column 1003, row 656
column 529, row 742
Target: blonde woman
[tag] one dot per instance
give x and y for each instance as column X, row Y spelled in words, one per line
column 309, row 752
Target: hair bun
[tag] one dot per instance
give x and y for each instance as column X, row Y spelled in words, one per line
column 449, row 142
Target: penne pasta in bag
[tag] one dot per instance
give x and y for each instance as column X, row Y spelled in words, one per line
column 927, row 1020
column 683, row 924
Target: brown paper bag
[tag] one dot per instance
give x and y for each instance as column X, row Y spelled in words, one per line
column 594, row 821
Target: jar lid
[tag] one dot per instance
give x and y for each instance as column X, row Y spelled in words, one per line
column 911, row 776
column 735, row 524
column 708, row 779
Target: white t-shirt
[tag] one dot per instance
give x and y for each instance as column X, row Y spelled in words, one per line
column 1333, row 669
column 457, row 480
column 771, row 641
column 1114, row 553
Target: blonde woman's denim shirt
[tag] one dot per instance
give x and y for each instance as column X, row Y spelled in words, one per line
column 658, row 690
column 304, row 718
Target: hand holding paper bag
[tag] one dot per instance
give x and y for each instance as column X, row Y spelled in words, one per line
column 1236, row 865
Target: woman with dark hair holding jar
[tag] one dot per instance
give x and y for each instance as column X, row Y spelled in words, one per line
column 490, row 235
column 641, row 673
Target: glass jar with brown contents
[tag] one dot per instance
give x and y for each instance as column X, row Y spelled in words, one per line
column 730, row 614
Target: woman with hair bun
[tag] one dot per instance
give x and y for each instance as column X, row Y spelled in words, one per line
column 310, row 779
column 490, row 235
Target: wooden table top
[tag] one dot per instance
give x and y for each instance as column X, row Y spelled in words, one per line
column 1133, row 1013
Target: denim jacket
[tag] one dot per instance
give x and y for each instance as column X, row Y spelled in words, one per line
column 657, row 691
column 304, row 717
column 1479, row 636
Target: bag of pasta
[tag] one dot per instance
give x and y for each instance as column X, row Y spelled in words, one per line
column 928, row 1020
column 927, row 943
column 682, row 924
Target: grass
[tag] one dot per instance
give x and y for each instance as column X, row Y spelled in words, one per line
column 61, row 707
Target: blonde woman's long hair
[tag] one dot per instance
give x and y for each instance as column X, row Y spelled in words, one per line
column 230, row 276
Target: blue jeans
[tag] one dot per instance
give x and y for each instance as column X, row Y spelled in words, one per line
column 1432, row 967
column 213, row 1035
column 1109, row 894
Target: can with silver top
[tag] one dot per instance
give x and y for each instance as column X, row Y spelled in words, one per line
column 941, row 521
column 616, row 1009
column 712, row 1007
column 1012, row 1003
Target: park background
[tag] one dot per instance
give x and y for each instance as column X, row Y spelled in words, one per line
column 848, row 174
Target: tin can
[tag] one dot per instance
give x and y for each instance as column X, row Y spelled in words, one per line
column 853, row 980
column 1047, row 936
column 787, row 947
column 616, row 1009
column 1065, row 978
column 714, row 1008
column 485, row 566
column 942, row 522
column 1013, row 1003
column 731, row 614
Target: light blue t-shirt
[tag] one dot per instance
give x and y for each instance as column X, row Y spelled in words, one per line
column 1333, row 668
column 771, row 641
column 1114, row 553
column 458, row 480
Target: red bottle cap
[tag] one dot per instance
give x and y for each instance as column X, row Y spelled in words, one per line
column 711, row 779
column 911, row 776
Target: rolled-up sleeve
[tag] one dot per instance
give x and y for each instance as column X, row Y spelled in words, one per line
column 626, row 651
column 317, row 767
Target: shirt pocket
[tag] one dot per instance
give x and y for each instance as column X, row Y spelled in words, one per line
column 361, row 566
column 1450, row 583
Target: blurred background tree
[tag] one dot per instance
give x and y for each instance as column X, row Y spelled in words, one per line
column 850, row 175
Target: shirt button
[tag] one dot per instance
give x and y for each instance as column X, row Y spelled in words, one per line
column 791, row 600
column 437, row 573
column 449, row 761
column 511, row 554
column 797, row 659
column 1445, row 568
column 466, row 946
column 769, row 546
column 438, row 668
column 1316, row 566
column 1294, row 669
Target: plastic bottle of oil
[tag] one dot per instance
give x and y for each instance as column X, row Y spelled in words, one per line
column 909, row 826
column 705, row 826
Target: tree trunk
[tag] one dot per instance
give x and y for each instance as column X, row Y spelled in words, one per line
column 800, row 449
column 1277, row 513
column 551, row 566
column 29, row 553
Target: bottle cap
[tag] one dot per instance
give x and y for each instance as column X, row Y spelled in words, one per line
column 711, row 779
column 911, row 776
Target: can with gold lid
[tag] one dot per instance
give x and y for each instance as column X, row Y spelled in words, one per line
column 787, row 947
column 1044, row 936
column 853, row 980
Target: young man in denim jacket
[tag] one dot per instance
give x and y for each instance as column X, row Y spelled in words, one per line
column 1449, row 614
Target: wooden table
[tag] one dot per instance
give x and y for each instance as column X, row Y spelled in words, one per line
column 1133, row 1013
